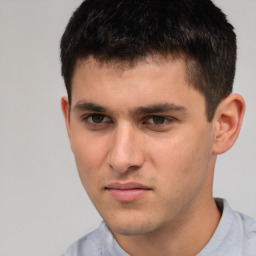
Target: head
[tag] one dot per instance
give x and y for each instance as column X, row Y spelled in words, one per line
column 149, row 107
column 129, row 31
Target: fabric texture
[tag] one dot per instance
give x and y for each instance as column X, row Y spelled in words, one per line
column 235, row 235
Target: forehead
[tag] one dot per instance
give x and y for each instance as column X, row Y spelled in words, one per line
column 122, row 66
column 150, row 67
column 125, row 86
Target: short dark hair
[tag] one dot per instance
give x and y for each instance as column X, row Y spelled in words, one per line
column 130, row 30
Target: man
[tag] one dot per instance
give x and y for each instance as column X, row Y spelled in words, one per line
column 149, row 108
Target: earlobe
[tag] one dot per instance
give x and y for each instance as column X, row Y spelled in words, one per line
column 66, row 113
column 228, row 120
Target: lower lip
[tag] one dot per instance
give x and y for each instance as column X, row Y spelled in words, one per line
column 127, row 195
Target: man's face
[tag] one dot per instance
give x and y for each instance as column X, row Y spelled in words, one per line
column 142, row 144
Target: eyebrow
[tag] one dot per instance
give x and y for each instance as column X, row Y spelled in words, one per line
column 156, row 108
column 82, row 105
column 159, row 108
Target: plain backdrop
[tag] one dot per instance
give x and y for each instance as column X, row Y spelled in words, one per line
column 43, row 207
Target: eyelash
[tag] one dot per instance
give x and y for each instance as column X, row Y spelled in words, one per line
column 166, row 120
column 86, row 118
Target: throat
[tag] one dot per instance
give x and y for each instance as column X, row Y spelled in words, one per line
column 187, row 237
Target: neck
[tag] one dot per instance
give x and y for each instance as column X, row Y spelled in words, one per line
column 187, row 237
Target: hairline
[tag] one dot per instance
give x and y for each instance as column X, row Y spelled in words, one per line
column 190, row 64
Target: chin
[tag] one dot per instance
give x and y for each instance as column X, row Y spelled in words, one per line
column 129, row 227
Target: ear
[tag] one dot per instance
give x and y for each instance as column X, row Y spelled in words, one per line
column 228, row 120
column 66, row 113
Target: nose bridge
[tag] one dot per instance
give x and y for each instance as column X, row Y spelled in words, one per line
column 125, row 153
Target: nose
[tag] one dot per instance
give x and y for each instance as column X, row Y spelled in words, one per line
column 126, row 152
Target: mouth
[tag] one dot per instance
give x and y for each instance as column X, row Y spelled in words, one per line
column 127, row 192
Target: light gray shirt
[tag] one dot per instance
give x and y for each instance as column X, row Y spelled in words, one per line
column 234, row 236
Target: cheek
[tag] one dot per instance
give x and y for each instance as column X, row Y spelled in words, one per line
column 89, row 155
column 183, row 158
column 181, row 170
column 171, row 153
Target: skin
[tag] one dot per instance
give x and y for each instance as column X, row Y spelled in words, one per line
column 147, row 124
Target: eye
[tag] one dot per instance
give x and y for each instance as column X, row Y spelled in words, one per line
column 96, row 120
column 159, row 123
column 158, row 120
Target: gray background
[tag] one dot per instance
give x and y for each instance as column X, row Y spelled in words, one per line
column 43, row 207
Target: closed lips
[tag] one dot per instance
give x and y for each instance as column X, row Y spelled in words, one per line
column 127, row 192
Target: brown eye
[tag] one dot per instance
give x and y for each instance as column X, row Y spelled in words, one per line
column 97, row 118
column 158, row 119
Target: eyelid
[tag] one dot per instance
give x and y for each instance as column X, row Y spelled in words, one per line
column 167, row 120
column 147, row 121
column 90, row 115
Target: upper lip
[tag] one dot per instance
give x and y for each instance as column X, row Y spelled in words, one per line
column 128, row 185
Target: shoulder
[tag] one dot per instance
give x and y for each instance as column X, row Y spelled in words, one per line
column 89, row 244
column 247, row 227
column 242, row 230
column 99, row 242
column 234, row 236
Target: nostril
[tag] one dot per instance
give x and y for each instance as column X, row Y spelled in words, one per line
column 123, row 168
column 125, row 153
